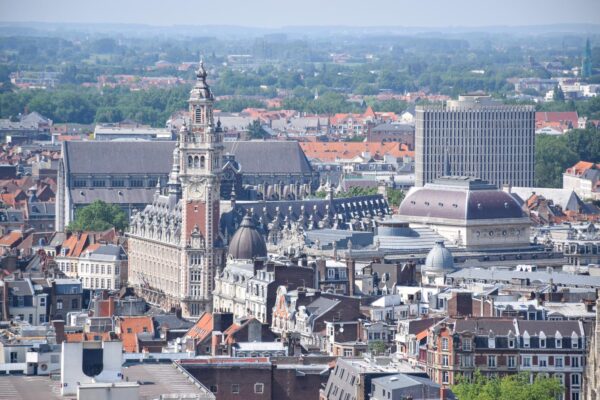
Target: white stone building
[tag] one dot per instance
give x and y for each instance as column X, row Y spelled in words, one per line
column 103, row 267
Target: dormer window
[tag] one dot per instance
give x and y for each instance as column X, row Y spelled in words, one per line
column 574, row 341
column 526, row 340
column 542, row 340
column 491, row 342
column 558, row 339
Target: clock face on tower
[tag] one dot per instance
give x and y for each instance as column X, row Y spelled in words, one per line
column 196, row 191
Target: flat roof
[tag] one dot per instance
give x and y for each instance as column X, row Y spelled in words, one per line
column 160, row 379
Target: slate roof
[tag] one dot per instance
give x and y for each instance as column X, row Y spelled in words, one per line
column 452, row 199
column 311, row 211
column 500, row 327
column 113, row 196
column 123, row 157
column 558, row 278
column 41, row 208
column 565, row 327
column 269, row 157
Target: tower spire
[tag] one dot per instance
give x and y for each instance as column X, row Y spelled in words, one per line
column 174, row 183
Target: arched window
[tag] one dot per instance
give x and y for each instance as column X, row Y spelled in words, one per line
column 202, row 162
column 198, row 115
column 196, row 161
column 190, row 161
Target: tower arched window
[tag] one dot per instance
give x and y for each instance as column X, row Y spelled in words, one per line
column 202, row 162
column 196, row 162
column 190, row 161
column 198, row 115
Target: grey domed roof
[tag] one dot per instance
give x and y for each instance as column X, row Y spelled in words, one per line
column 247, row 243
column 439, row 258
column 460, row 198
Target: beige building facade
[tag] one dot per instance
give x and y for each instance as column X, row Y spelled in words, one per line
column 174, row 243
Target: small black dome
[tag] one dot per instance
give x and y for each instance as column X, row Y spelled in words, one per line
column 247, row 243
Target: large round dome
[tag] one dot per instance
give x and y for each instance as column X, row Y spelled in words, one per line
column 247, row 243
column 439, row 258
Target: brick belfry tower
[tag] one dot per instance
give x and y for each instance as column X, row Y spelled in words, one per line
column 201, row 148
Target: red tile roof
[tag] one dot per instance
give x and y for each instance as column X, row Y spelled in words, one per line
column 543, row 117
column 86, row 337
column 203, row 328
column 581, row 167
column 11, row 239
column 129, row 327
column 330, row 151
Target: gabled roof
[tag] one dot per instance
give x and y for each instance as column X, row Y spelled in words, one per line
column 136, row 324
column 267, row 157
column 123, row 157
column 202, row 329
column 11, row 239
column 557, row 116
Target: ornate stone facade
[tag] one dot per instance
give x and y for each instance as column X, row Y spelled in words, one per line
column 592, row 370
column 174, row 243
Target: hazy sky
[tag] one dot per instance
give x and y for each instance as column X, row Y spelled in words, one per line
column 278, row 13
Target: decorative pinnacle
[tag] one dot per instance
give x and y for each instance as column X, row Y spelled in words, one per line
column 201, row 73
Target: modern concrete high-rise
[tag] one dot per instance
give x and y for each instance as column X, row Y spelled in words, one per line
column 475, row 136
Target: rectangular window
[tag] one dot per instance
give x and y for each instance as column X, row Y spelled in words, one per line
column 558, row 343
column 259, row 388
column 466, row 345
column 214, row 388
column 445, row 377
column 152, row 182
column 575, row 379
column 117, row 183
column 511, row 362
column 575, row 362
column 42, row 318
column 543, row 362
column 444, row 360
column 98, row 183
column 75, row 304
column 42, row 302
column 558, row 362
column 526, row 361
column 235, row 388
column 543, row 343
column 79, row 183
column 59, row 304
column 136, row 182
column 444, row 344
column 492, row 361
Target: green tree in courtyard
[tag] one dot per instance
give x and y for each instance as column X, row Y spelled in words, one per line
column 99, row 216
